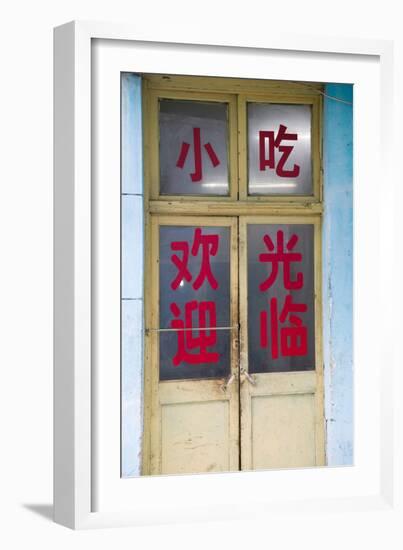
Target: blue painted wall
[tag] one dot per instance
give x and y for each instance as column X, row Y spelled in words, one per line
column 338, row 272
column 132, row 275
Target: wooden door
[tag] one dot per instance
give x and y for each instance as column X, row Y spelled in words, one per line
column 257, row 407
column 281, row 380
column 191, row 385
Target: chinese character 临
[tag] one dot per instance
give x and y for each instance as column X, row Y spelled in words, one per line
column 289, row 340
column 268, row 155
column 197, row 175
column 190, row 348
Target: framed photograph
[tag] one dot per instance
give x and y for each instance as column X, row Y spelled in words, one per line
column 219, row 346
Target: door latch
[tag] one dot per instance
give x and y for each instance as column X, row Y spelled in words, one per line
column 246, row 376
column 228, row 382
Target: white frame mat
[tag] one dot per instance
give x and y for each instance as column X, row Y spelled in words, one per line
column 88, row 489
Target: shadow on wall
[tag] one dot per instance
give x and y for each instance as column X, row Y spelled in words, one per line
column 44, row 510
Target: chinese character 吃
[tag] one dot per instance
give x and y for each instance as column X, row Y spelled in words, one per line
column 275, row 143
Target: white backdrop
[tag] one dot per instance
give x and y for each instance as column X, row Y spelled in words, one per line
column 26, row 267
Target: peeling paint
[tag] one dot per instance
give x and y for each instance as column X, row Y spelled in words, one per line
column 338, row 274
column 132, row 276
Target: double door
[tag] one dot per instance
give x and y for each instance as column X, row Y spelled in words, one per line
column 233, row 376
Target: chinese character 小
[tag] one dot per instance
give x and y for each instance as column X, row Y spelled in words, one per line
column 197, row 175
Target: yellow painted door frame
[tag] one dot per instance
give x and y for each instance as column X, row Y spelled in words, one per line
column 248, row 403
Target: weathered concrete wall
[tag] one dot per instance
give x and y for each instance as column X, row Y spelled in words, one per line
column 338, row 272
column 132, row 275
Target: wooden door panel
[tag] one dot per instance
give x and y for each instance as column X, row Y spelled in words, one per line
column 193, row 422
column 195, row 437
column 199, row 426
column 283, row 431
column 282, row 419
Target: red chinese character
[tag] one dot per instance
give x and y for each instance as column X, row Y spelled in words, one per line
column 197, row 175
column 274, row 142
column 187, row 341
column 181, row 263
column 293, row 338
column 209, row 247
column 281, row 256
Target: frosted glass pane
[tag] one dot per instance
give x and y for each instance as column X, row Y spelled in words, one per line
column 193, row 148
column 281, row 316
column 194, row 293
column 279, row 149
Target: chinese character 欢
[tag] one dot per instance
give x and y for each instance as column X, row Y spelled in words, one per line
column 187, row 342
column 208, row 244
column 293, row 337
column 284, row 256
column 275, row 143
column 197, row 175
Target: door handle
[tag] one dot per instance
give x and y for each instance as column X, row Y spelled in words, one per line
column 227, row 382
column 246, row 376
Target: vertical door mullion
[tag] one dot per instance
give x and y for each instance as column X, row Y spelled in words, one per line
column 244, row 394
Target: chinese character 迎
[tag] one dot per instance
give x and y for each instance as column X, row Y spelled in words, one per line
column 186, row 341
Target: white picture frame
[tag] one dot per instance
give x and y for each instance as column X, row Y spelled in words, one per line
column 88, row 490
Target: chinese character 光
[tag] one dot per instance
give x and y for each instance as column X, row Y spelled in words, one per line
column 186, row 341
column 208, row 244
column 275, row 143
column 197, row 175
column 284, row 256
column 293, row 338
